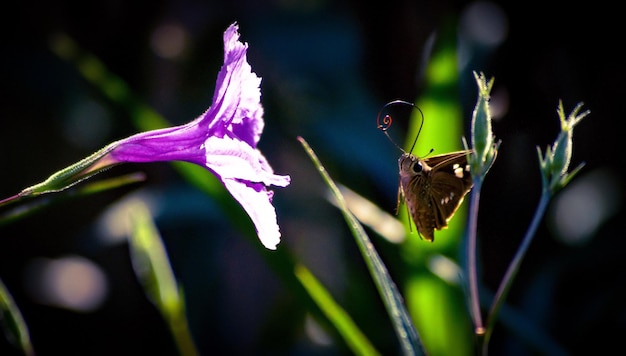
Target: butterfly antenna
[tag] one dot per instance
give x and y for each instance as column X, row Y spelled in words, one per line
column 419, row 130
column 385, row 123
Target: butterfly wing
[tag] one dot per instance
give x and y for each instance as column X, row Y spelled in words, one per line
column 450, row 181
column 433, row 189
column 447, row 159
column 419, row 204
column 447, row 194
column 414, row 187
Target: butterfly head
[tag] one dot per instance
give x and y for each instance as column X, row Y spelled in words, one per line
column 410, row 165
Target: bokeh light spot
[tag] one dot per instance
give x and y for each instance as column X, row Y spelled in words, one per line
column 87, row 125
column 70, row 282
column 169, row 41
column 584, row 205
column 485, row 23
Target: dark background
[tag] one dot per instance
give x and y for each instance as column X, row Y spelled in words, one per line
column 327, row 68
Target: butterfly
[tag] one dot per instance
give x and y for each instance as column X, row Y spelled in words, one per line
column 433, row 187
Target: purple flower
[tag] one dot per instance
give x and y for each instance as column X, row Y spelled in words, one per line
column 223, row 140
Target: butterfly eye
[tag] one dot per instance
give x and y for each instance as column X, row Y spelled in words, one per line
column 417, row 167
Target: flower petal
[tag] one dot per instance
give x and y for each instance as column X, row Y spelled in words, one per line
column 231, row 158
column 237, row 98
column 179, row 143
column 257, row 202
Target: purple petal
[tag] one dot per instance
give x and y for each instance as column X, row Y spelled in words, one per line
column 235, row 124
column 232, row 158
column 179, row 143
column 257, row 202
column 245, row 172
column 237, row 98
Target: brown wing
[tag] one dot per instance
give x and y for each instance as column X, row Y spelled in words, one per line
column 450, row 182
column 420, row 206
column 414, row 190
column 433, row 189
column 446, row 159
column 447, row 193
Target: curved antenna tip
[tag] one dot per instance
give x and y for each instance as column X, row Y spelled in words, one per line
column 387, row 120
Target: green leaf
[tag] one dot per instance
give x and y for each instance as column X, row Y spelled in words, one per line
column 153, row 270
column 12, row 322
column 356, row 340
column 402, row 323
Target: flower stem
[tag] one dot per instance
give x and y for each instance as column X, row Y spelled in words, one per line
column 472, row 269
column 514, row 266
column 10, row 200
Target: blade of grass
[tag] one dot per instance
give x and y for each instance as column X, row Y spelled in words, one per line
column 14, row 326
column 403, row 326
column 356, row 340
column 153, row 270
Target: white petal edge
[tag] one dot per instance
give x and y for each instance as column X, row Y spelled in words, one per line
column 259, row 207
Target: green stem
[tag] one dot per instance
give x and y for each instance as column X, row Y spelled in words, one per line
column 472, row 269
column 514, row 266
column 74, row 174
column 69, row 176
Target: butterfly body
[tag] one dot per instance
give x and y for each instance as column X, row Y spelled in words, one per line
column 433, row 188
